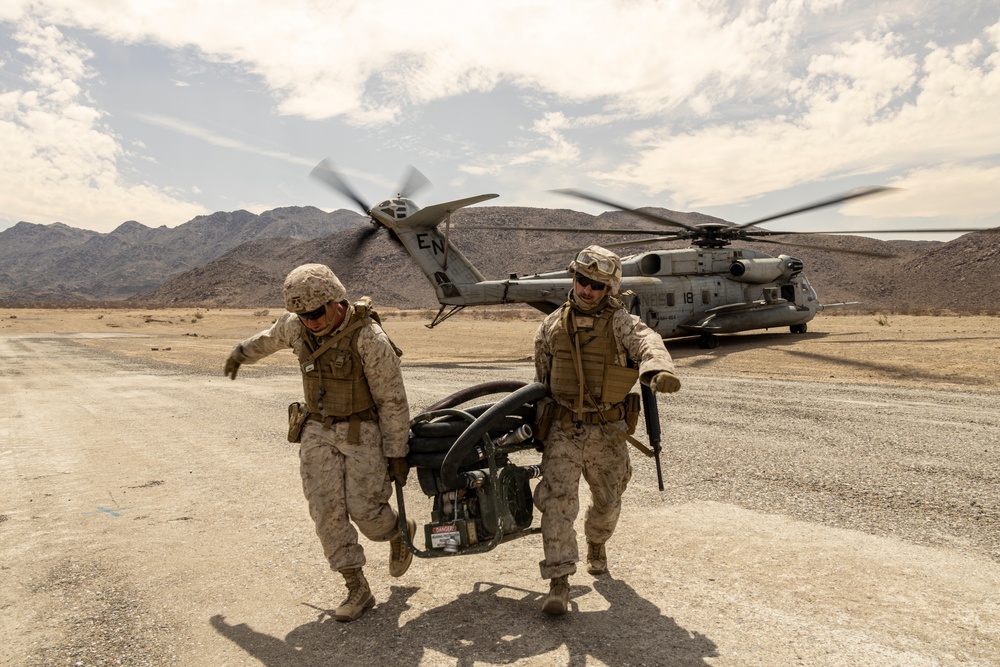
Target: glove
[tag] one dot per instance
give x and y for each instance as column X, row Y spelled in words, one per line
column 233, row 362
column 399, row 469
column 665, row 382
column 231, row 367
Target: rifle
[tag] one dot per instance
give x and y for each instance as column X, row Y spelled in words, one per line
column 651, row 412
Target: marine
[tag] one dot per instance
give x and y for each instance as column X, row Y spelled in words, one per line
column 589, row 353
column 352, row 428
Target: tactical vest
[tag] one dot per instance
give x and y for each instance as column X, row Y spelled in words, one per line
column 333, row 377
column 588, row 342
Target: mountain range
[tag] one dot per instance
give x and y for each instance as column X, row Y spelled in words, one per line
column 239, row 259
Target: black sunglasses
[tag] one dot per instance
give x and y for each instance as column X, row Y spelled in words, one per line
column 313, row 314
column 595, row 285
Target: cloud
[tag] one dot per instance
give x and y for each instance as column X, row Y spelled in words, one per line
column 61, row 161
column 704, row 104
column 369, row 61
column 216, row 139
column 870, row 106
column 966, row 191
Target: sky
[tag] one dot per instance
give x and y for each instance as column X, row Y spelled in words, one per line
column 117, row 110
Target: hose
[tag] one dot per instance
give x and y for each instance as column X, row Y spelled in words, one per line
column 472, row 435
column 476, row 391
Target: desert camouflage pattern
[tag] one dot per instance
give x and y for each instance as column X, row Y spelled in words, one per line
column 382, row 369
column 633, row 339
column 309, row 286
column 599, row 453
column 344, row 482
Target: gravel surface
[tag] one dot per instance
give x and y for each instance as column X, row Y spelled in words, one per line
column 151, row 514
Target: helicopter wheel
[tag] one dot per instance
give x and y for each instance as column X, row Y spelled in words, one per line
column 708, row 342
column 798, row 328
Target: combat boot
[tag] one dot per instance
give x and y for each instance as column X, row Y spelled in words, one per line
column 399, row 556
column 597, row 558
column 557, row 601
column 359, row 596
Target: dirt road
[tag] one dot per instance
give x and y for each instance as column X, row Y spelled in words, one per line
column 151, row 514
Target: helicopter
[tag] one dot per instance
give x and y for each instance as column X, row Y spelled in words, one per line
column 707, row 289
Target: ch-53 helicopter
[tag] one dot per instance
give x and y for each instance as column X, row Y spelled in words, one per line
column 707, row 289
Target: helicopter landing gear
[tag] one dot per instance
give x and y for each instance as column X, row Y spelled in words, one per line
column 798, row 328
column 708, row 342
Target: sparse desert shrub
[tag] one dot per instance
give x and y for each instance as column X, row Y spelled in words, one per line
column 882, row 321
column 261, row 313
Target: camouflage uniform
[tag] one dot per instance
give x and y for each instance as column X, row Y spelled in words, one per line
column 598, row 452
column 343, row 481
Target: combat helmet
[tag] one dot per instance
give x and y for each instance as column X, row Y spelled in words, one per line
column 600, row 264
column 310, row 286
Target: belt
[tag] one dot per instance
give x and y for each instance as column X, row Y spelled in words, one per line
column 354, row 430
column 616, row 413
column 613, row 414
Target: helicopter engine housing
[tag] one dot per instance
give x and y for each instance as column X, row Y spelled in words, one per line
column 764, row 270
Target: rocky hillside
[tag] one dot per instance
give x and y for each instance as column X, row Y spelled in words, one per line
column 59, row 263
column 239, row 259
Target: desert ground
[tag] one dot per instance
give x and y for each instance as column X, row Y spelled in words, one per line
column 831, row 498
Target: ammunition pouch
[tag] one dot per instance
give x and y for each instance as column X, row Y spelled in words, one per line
column 545, row 412
column 632, row 403
column 298, row 413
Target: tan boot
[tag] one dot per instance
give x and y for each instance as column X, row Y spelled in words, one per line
column 557, row 601
column 359, row 596
column 399, row 556
column 597, row 558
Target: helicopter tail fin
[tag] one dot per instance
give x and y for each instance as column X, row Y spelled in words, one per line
column 449, row 272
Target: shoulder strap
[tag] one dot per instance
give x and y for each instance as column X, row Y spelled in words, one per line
column 356, row 324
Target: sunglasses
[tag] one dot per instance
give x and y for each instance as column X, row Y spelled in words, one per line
column 595, row 285
column 313, row 314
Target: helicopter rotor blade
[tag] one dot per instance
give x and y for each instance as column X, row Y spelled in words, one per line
column 365, row 235
column 853, row 194
column 659, row 239
column 865, row 253
column 324, row 171
column 942, row 230
column 659, row 219
column 413, row 183
column 569, row 230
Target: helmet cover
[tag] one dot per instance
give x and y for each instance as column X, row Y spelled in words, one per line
column 310, row 286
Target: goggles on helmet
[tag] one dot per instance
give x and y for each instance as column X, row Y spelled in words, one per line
column 590, row 261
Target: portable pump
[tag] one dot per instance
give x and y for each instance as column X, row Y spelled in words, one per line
column 479, row 497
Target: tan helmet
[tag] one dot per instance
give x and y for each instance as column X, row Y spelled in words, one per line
column 601, row 264
column 310, row 286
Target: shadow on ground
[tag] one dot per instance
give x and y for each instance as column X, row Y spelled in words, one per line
column 493, row 624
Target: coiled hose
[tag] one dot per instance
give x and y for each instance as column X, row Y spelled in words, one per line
column 446, row 438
